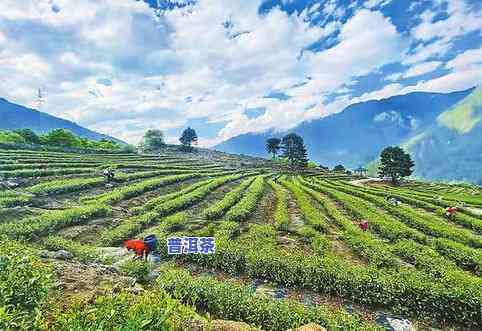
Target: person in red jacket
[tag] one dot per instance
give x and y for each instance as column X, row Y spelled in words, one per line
column 141, row 249
column 450, row 211
column 363, row 225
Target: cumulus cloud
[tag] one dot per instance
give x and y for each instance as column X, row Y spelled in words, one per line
column 422, row 68
column 120, row 67
column 460, row 20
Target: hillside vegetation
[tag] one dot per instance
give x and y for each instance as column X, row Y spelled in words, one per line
column 16, row 117
column 451, row 149
column 289, row 250
column 355, row 136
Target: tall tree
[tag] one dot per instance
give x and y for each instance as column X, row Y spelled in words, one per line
column 188, row 137
column 273, row 146
column 339, row 168
column 60, row 137
column 153, row 140
column 294, row 150
column 29, row 136
column 395, row 163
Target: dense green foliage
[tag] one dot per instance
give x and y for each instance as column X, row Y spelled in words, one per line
column 188, row 138
column 153, row 310
column 275, row 232
column 24, row 285
column 57, row 138
column 229, row 300
column 273, row 145
column 153, row 140
column 294, row 150
column 395, row 163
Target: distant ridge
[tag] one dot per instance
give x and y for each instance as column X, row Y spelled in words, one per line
column 13, row 116
column 356, row 135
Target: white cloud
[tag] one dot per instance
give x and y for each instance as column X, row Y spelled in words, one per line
column 386, row 92
column 376, row 3
column 424, row 52
column 187, row 64
column 394, row 77
column 221, row 72
column 421, row 69
column 466, row 60
column 461, row 20
column 359, row 51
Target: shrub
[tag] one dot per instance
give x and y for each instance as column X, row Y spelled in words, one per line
column 138, row 269
column 281, row 216
column 228, row 300
column 153, row 310
column 218, row 209
column 24, row 285
column 246, row 206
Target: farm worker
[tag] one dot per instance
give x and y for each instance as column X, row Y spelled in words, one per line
column 395, row 201
column 363, row 225
column 109, row 174
column 151, row 242
column 141, row 249
column 450, row 211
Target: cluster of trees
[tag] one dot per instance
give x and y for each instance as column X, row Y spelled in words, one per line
column 154, row 140
column 292, row 147
column 395, row 163
column 56, row 138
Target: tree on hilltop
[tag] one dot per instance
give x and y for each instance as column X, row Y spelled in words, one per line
column 273, row 145
column 153, row 140
column 29, row 135
column 60, row 137
column 188, row 137
column 395, row 163
column 294, row 150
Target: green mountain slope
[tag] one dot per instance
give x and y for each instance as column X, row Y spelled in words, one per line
column 13, row 116
column 452, row 148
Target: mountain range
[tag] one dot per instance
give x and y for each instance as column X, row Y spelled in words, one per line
column 442, row 132
column 451, row 148
column 13, row 116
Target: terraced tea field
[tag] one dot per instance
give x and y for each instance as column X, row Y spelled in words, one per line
column 289, row 250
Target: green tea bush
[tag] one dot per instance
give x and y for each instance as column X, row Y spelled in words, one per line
column 77, row 184
column 466, row 257
column 152, row 310
column 426, row 223
column 24, row 285
column 218, row 209
column 281, row 216
column 152, row 203
column 51, row 221
column 311, row 214
column 362, row 243
column 404, row 290
column 137, row 268
column 463, row 218
column 44, row 172
column 136, row 224
column 228, row 300
column 248, row 203
column 385, row 225
column 131, row 191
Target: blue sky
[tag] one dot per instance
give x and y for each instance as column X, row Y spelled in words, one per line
column 229, row 67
